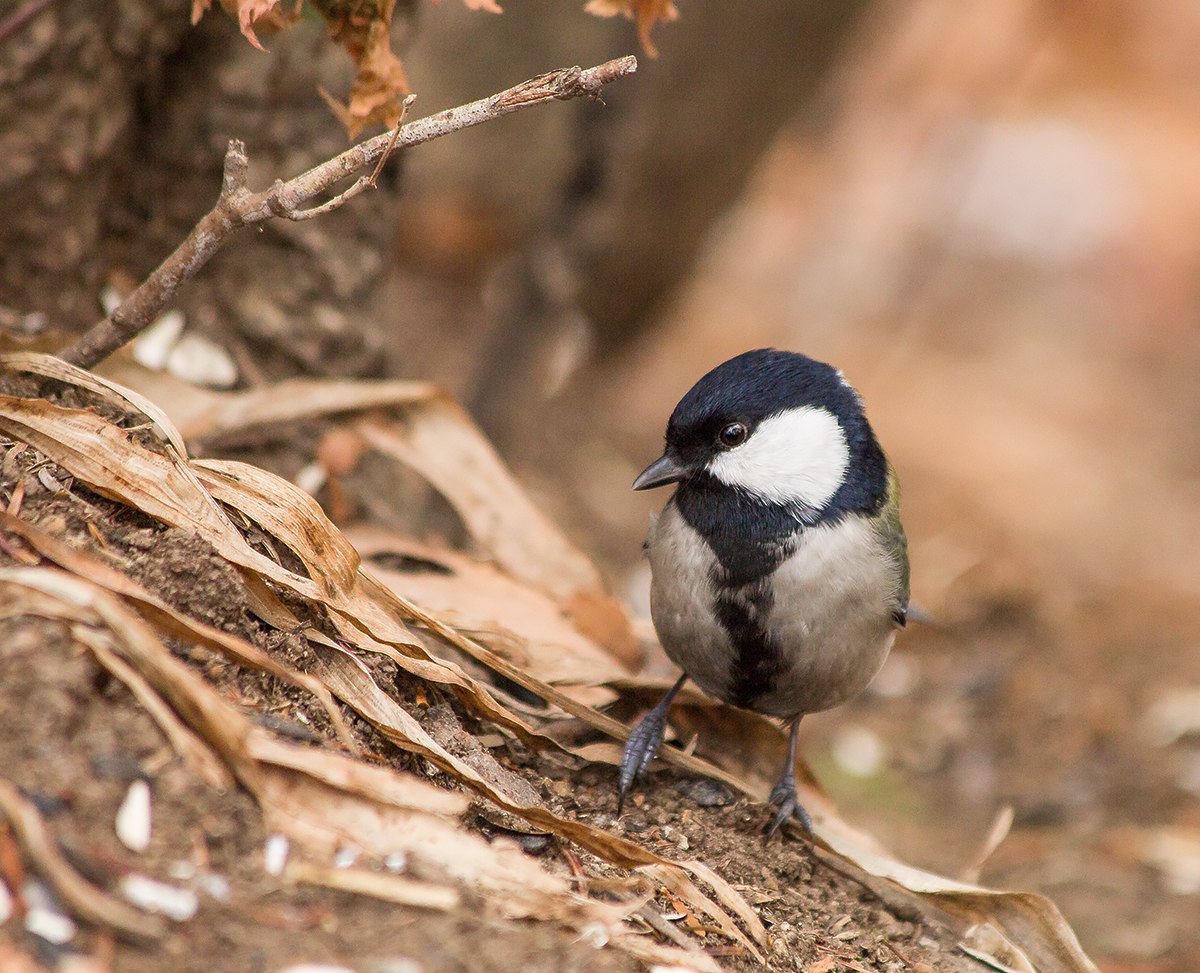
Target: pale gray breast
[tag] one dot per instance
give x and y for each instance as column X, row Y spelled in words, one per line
column 681, row 602
column 831, row 617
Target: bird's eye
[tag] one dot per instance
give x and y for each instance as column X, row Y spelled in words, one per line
column 732, row 435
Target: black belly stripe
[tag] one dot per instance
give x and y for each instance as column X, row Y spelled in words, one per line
column 750, row 540
column 758, row 658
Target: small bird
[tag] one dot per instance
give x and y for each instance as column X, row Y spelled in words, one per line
column 779, row 566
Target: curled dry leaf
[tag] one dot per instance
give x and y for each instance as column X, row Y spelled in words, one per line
column 647, row 13
column 433, row 436
column 381, row 84
column 269, row 16
column 475, row 596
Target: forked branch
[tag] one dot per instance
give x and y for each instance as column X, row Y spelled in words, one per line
column 237, row 206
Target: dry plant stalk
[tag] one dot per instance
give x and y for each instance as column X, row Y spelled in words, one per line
column 237, row 206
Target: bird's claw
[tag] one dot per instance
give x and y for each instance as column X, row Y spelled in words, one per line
column 640, row 748
column 787, row 804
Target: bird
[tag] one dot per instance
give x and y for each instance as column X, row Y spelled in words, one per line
column 779, row 566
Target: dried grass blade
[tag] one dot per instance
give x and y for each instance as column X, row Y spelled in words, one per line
column 378, row 885
column 50, row 367
column 354, row 685
column 676, row 879
column 730, row 897
column 193, row 751
column 353, row 777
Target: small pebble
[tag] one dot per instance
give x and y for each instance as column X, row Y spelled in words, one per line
column 707, row 793
column 595, row 934
column 275, row 854
column 133, row 817
column 153, row 346
column 44, row 918
column 559, row 788
column 346, row 856
column 532, row 844
column 217, row 886
column 198, row 360
column 51, row 926
column 154, row 896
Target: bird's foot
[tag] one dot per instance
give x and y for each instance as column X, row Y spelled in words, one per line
column 640, row 748
column 787, row 805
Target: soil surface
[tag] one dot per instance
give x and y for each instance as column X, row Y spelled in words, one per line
column 83, row 739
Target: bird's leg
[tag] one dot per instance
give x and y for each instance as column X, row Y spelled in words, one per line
column 644, row 741
column 783, row 795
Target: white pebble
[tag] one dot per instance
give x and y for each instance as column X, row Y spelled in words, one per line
column 181, row 871
column 595, row 934
column 311, row 478
column 110, row 299
column 154, row 896
column 275, row 854
column 52, row 926
column 152, row 347
column 345, row 856
column 216, row 886
column 133, row 817
column 200, row 361
column 43, row 916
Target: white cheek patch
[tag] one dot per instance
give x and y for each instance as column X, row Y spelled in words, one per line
column 796, row 457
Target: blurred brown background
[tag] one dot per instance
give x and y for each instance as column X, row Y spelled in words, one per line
column 985, row 211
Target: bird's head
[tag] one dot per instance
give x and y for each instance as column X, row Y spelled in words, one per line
column 778, row 428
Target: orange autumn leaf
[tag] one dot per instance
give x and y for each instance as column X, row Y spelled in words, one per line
column 647, row 13
column 266, row 15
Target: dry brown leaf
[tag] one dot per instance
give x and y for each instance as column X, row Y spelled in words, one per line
column 350, row 776
column 476, row 597
column 438, row 441
column 364, row 29
column 991, row 947
column 647, row 13
column 266, row 15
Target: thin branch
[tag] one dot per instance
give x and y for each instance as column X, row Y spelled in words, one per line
column 237, row 207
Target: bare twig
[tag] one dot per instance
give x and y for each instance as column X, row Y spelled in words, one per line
column 237, row 207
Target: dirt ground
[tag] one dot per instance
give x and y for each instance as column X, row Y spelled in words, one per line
column 83, row 739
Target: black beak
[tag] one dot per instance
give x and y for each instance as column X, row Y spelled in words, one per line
column 662, row 471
